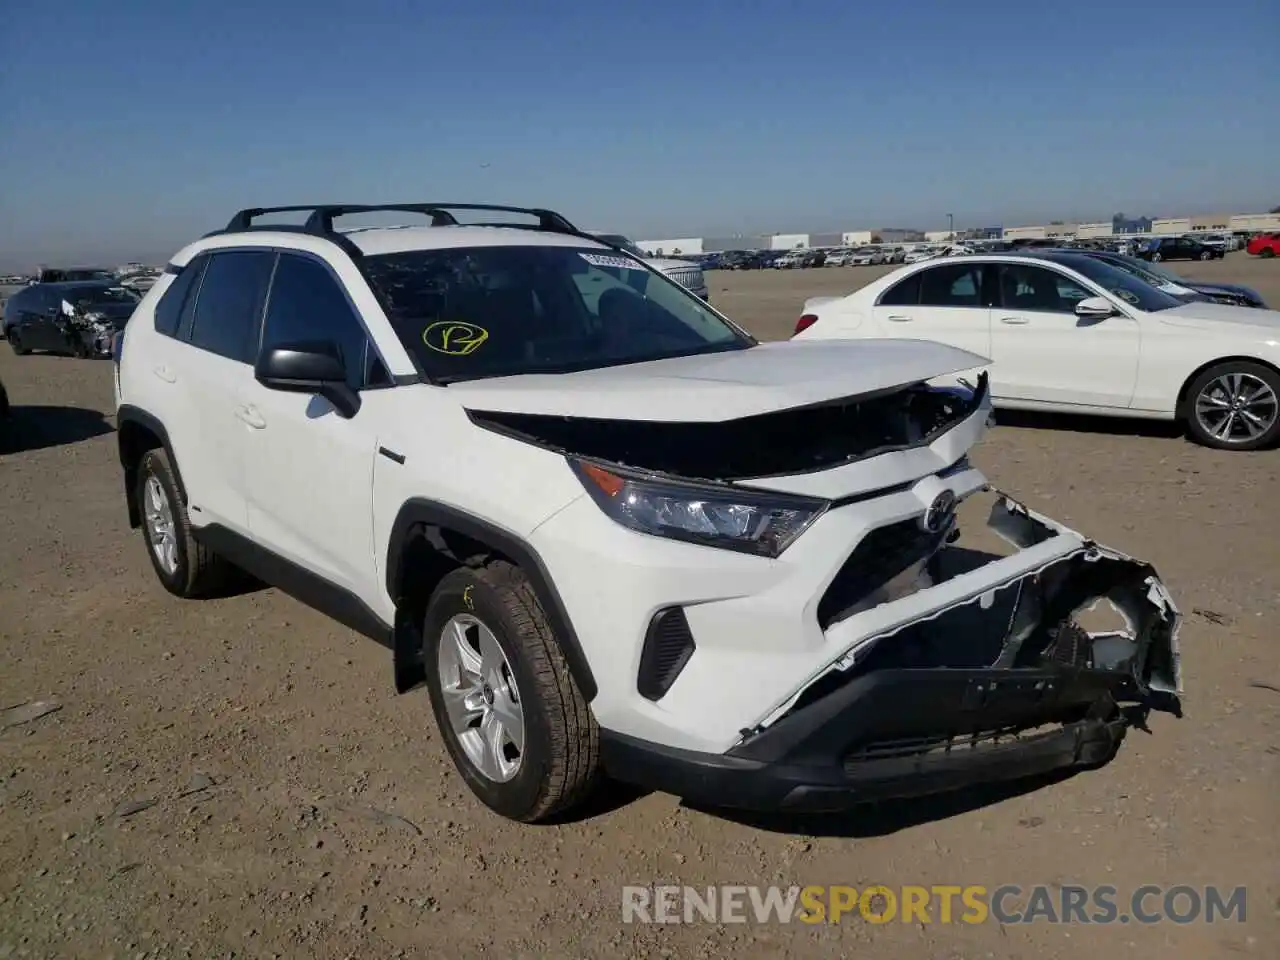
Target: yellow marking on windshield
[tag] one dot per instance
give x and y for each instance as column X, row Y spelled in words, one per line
column 453, row 337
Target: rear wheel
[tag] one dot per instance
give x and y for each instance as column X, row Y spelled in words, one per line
column 514, row 722
column 1266, row 253
column 1235, row 406
column 1207, row 255
column 184, row 566
column 15, row 341
column 1157, row 257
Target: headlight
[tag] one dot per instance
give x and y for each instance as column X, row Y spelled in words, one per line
column 747, row 521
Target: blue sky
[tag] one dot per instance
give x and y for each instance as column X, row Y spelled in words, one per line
column 129, row 127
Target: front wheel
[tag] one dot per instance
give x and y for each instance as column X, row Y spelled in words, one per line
column 515, row 724
column 1157, row 257
column 1266, row 253
column 1235, row 406
column 1206, row 255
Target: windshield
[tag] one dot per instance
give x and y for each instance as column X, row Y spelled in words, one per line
column 1126, row 286
column 1152, row 273
column 101, row 296
column 471, row 312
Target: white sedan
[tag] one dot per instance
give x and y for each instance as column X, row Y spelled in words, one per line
column 1069, row 333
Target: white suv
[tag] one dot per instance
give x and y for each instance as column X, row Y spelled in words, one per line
column 609, row 531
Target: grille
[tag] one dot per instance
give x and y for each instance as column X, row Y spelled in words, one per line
column 690, row 279
column 668, row 645
column 944, row 744
column 883, row 554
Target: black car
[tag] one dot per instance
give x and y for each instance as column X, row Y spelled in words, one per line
column 75, row 318
column 1190, row 290
column 1179, row 248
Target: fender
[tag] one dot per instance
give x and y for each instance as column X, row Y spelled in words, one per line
column 429, row 513
column 129, row 457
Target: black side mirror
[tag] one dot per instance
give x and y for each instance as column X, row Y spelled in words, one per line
column 314, row 367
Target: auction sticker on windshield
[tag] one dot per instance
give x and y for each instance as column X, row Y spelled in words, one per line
column 453, row 337
column 613, row 263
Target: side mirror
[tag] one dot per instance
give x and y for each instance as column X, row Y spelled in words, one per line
column 1095, row 308
column 314, row 367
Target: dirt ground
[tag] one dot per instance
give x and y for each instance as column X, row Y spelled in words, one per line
column 237, row 777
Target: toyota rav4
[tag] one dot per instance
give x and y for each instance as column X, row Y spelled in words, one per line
column 610, row 532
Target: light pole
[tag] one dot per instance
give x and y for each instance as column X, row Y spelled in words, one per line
column 951, row 225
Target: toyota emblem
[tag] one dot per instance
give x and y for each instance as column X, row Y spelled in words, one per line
column 940, row 512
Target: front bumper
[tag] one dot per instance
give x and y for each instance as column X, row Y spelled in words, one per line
column 878, row 738
column 1004, row 684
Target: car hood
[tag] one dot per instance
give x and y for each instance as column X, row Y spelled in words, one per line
column 1208, row 315
column 716, row 387
column 664, row 265
column 1235, row 288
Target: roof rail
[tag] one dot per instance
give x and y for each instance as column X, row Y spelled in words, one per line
column 320, row 216
column 319, row 222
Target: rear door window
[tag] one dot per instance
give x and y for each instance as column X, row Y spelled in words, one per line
column 953, row 285
column 169, row 309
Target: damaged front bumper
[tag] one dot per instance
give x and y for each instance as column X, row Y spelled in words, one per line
column 1006, row 683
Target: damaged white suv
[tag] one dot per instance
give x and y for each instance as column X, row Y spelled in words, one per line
column 609, row 531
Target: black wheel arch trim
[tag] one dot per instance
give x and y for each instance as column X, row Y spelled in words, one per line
column 131, row 414
column 421, row 513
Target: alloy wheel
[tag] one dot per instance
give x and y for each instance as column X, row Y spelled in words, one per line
column 481, row 697
column 158, row 516
column 1237, row 408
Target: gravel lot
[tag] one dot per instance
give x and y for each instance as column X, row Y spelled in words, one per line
column 237, row 777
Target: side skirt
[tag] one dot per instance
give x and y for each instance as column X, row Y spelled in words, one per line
column 316, row 592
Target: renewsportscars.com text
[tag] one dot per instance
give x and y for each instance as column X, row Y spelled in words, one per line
column 945, row 904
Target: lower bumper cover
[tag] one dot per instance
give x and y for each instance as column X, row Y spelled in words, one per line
column 1007, row 685
column 877, row 738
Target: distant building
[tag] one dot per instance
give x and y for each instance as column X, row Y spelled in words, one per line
column 672, row 248
column 788, row 241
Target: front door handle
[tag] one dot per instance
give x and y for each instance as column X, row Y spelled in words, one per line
column 165, row 374
column 896, row 319
column 1013, row 321
column 251, row 416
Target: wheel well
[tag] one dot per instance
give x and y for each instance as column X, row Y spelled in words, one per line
column 1186, row 384
column 429, row 540
column 431, row 552
column 134, row 440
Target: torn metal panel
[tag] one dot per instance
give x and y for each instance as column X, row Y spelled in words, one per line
column 1028, row 622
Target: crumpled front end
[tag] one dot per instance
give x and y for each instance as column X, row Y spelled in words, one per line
column 950, row 666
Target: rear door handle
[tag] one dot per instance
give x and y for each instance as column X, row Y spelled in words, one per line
column 251, row 416
column 165, row 374
column 1013, row 321
column 899, row 319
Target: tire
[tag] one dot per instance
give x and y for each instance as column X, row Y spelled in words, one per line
column 559, row 763
column 1206, row 255
column 1157, row 257
column 15, row 341
column 1266, row 253
column 1253, row 375
column 197, row 571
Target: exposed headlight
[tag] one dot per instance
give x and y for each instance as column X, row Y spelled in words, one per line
column 747, row 521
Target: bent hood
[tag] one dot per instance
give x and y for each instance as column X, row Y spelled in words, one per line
column 715, row 387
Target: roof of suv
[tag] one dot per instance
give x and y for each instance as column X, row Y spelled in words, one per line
column 444, row 231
